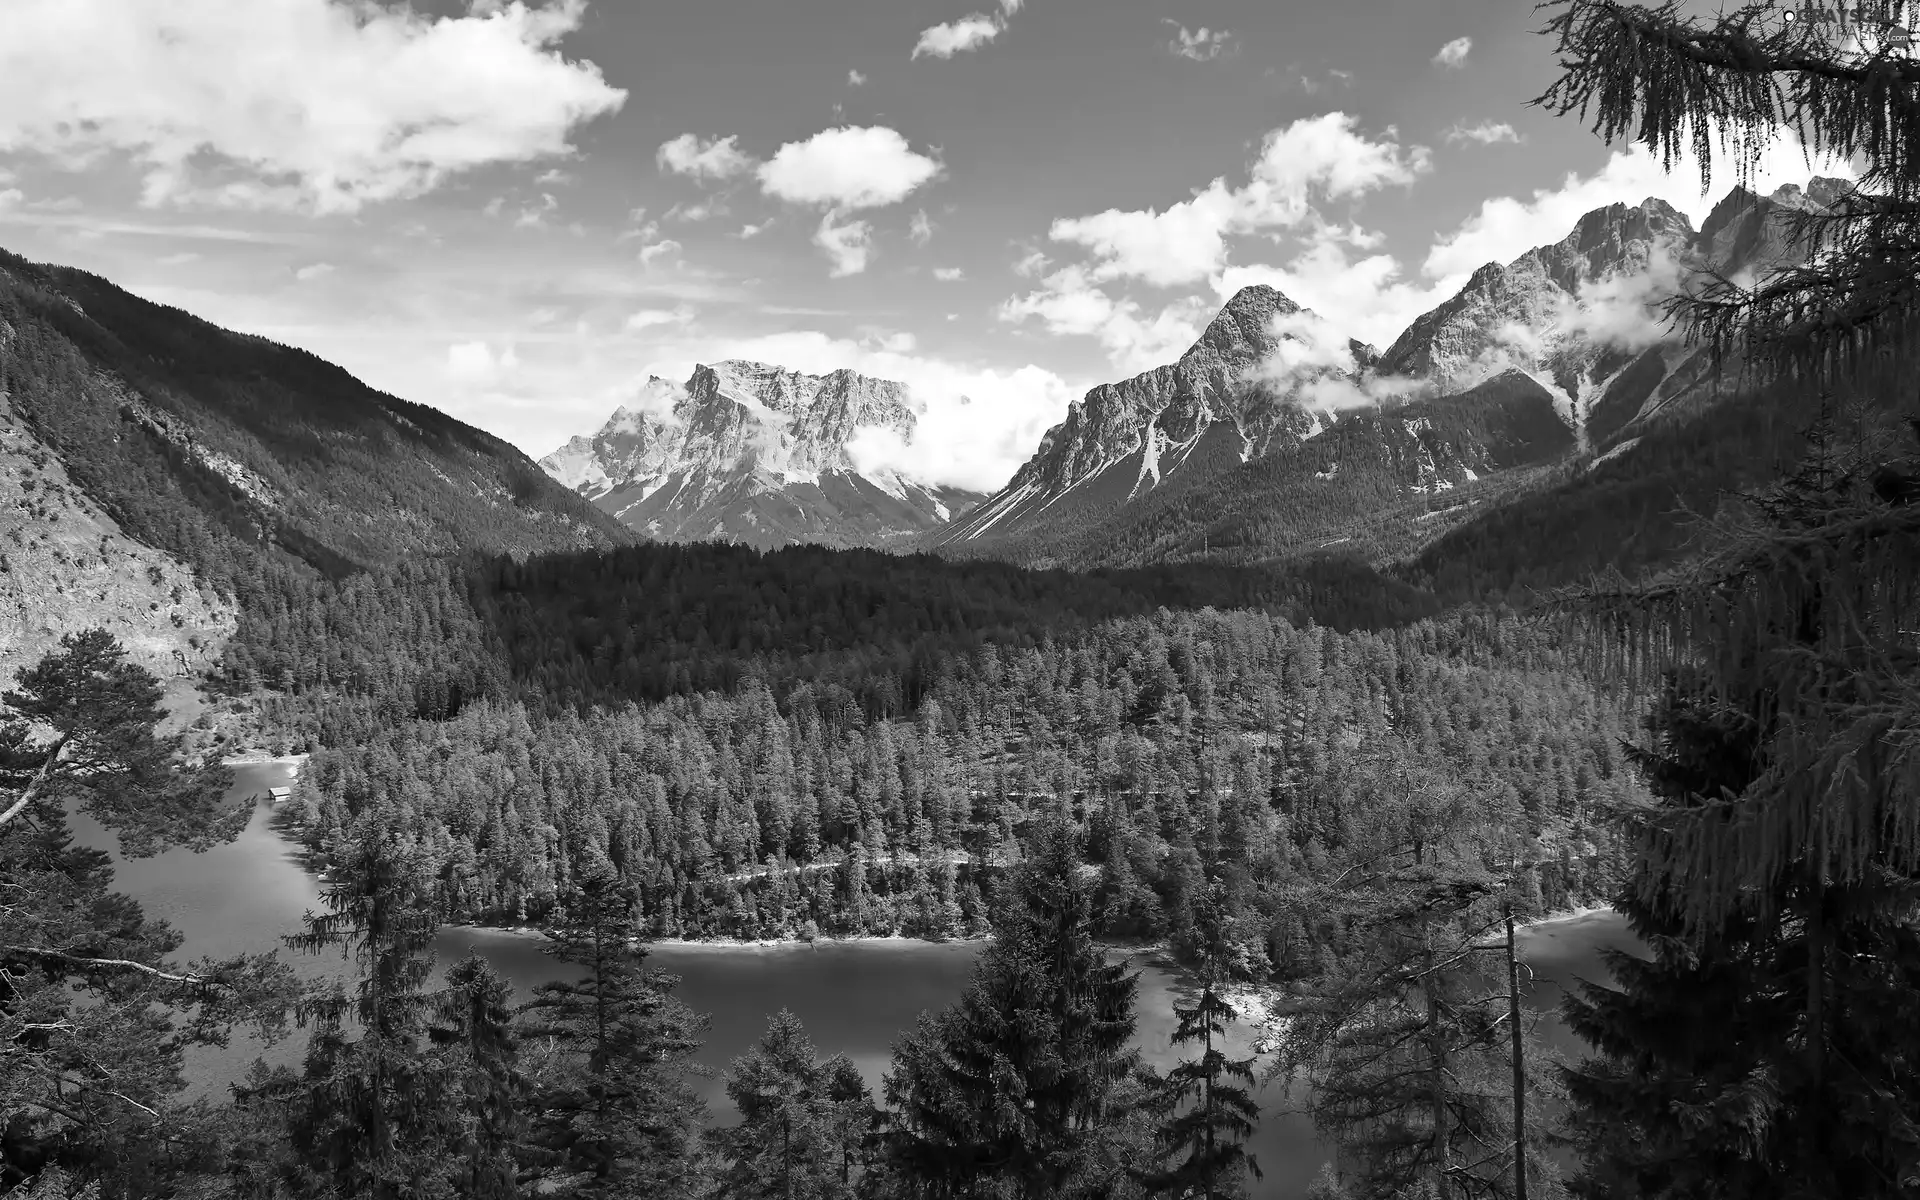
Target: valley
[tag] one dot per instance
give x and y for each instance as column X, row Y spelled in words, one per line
column 757, row 602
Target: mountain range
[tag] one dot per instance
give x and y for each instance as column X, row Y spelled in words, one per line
column 166, row 476
column 757, row 454
column 1259, row 443
column 1272, row 434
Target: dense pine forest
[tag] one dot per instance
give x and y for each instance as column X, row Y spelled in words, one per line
column 1185, row 744
column 568, row 631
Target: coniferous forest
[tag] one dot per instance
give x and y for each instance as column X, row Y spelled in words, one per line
column 1332, row 786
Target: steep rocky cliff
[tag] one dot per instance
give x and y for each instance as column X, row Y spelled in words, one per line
column 748, row 452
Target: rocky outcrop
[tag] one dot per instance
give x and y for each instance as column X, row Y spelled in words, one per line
column 1524, row 314
column 1230, row 398
column 66, row 566
column 749, row 452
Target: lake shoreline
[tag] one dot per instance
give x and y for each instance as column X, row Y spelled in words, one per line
column 1257, row 1004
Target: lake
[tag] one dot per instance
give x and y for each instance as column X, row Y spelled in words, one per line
column 854, row 997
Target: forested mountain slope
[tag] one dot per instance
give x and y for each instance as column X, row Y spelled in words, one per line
column 239, row 458
column 571, row 631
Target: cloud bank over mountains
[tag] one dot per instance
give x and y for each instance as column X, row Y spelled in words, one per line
column 1133, row 279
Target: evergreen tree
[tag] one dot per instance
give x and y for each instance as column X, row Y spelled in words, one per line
column 1780, row 869
column 1024, row 1088
column 803, row 1122
column 1208, row 1100
column 95, row 1021
column 475, row 1028
column 374, row 1115
column 612, row 1111
column 1777, row 872
column 1398, row 1034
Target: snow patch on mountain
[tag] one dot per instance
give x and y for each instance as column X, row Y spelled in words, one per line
column 758, row 453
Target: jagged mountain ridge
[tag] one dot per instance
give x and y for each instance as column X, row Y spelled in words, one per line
column 758, row 454
column 1167, row 427
column 1099, row 488
column 1548, row 312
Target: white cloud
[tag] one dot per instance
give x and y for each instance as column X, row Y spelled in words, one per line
column 848, row 245
column 1623, row 310
column 9, row 197
column 700, row 210
column 921, row 229
column 306, row 105
column 654, row 251
column 1177, row 245
column 534, row 215
column 1505, row 227
column 313, row 271
column 956, row 37
column 641, row 229
column 1326, row 152
column 649, row 318
column 847, row 167
column 1313, row 86
column 176, row 260
column 552, row 177
column 1186, row 242
column 949, row 274
column 701, row 158
column 1200, row 45
column 855, row 79
column 1314, row 361
column 475, row 363
column 1486, row 133
column 753, row 230
column 1069, row 302
column 1031, row 264
column 1454, row 53
column 1365, row 295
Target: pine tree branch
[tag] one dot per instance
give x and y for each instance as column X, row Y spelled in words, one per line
column 39, row 780
column 1728, row 46
column 123, row 964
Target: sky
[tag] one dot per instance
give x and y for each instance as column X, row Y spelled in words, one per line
column 517, row 211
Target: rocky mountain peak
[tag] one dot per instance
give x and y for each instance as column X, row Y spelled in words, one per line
column 757, row 452
column 1615, row 238
column 1243, row 329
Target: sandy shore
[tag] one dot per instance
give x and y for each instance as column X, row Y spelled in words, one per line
column 882, row 939
column 260, row 758
column 1552, row 921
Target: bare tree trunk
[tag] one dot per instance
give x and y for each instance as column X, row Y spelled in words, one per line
column 1519, row 1068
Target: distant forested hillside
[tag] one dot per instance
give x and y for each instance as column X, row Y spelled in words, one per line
column 563, row 632
column 1643, row 504
column 248, row 460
